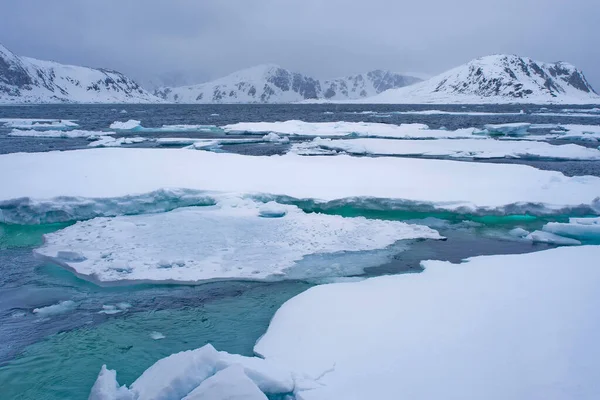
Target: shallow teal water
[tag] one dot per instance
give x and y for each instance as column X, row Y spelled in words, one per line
column 65, row 365
column 59, row 357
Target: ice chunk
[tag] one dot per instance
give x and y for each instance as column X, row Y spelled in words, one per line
column 513, row 129
column 106, row 387
column 273, row 137
column 342, row 128
column 38, row 124
column 519, row 232
column 577, row 228
column 130, row 125
column 60, row 134
column 547, row 237
column 157, row 335
column 455, row 148
column 64, row 180
column 175, row 376
column 494, row 327
column 133, row 125
column 230, row 240
column 228, row 384
column 116, row 142
column 55, row 309
column 178, row 375
column 272, row 210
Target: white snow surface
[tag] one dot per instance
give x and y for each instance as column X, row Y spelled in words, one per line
column 236, row 239
column 76, row 133
column 494, row 327
column 455, row 148
column 497, row 79
column 230, row 383
column 116, row 172
column 343, row 128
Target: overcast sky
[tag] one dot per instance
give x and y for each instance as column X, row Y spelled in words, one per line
column 324, row 38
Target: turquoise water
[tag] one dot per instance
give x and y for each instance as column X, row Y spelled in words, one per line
column 65, row 365
column 59, row 356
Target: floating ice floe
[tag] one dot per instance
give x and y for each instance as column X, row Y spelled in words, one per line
column 342, row 128
column 237, row 239
column 578, row 132
column 60, row 134
column 529, row 321
column 156, row 336
column 577, row 228
column 110, row 180
column 38, row 124
column 110, row 309
column 195, row 372
column 513, row 129
column 204, row 143
column 493, row 327
column 129, row 125
column 551, row 238
column 455, row 148
column 275, row 138
column 440, row 112
column 133, row 125
column 108, row 141
column 55, row 309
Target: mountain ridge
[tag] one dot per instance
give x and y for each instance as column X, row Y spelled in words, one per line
column 29, row 80
column 499, row 78
column 270, row 83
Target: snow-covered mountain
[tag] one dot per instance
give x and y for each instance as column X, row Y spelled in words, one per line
column 272, row 84
column 27, row 80
column 498, row 79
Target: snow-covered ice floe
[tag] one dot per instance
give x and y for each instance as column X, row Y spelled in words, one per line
column 455, row 148
column 587, row 229
column 471, row 113
column 110, row 181
column 108, row 141
column 204, row 373
column 342, row 128
column 133, row 125
column 77, row 133
column 493, row 327
column 512, row 129
column 38, row 124
column 577, row 132
column 236, row 239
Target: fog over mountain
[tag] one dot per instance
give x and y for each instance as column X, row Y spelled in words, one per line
column 180, row 42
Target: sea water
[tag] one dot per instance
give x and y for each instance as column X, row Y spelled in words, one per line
column 57, row 353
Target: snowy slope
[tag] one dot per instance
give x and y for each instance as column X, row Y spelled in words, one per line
column 499, row 79
column 27, row 80
column 272, row 84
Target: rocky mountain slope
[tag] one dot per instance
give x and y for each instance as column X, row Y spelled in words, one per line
column 499, row 79
column 27, row 80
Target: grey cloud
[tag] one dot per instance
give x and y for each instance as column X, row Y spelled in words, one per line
column 325, row 38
